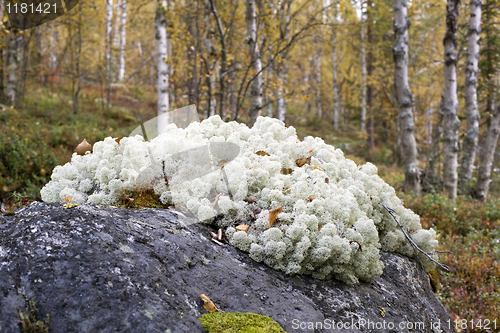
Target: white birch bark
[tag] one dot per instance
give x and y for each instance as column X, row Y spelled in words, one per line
column 450, row 101
column 269, row 107
column 317, row 74
column 256, row 90
column 162, row 65
column 363, row 77
column 472, row 112
column 487, row 156
column 12, row 66
column 123, row 37
column 211, row 51
column 404, row 96
column 109, row 31
column 335, row 87
column 282, row 70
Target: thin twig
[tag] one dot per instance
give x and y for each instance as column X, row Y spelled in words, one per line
column 444, row 252
column 391, row 211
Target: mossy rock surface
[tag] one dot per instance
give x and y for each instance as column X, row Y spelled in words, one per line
column 239, row 322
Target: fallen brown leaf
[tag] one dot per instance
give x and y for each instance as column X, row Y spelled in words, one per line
column 310, row 150
column 251, row 199
column 119, row 139
column 208, row 304
column 273, row 215
column 262, row 153
column 221, row 163
column 83, row 147
column 286, row 171
column 327, row 180
column 243, row 227
column 311, row 197
column 301, row 161
column 67, row 198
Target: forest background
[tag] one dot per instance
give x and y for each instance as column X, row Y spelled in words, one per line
column 326, row 67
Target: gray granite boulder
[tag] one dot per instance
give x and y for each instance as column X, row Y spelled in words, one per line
column 105, row 269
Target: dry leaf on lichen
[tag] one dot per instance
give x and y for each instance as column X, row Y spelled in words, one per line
column 273, row 215
column 318, row 168
column 208, row 304
column 301, row 161
column 243, row 227
column 262, row 153
column 311, row 197
column 288, row 189
column 251, row 199
column 286, row 171
column 221, row 163
column 310, row 150
column 119, row 139
column 327, row 180
column 83, row 147
column 67, row 198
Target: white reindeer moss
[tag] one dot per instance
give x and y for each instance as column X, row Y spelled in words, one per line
column 336, row 234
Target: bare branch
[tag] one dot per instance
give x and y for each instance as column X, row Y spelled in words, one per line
column 392, row 212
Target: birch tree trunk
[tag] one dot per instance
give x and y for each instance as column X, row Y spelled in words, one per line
column 256, row 90
column 450, row 101
column 487, row 156
column 269, row 107
column 211, row 51
column 77, row 75
column 162, row 65
column 316, row 77
column 223, row 61
column 109, row 41
column 123, row 35
column 363, row 83
column 12, row 66
column 404, row 96
column 283, row 81
column 472, row 112
column 335, row 88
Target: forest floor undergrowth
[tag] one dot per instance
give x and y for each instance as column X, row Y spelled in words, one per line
column 43, row 132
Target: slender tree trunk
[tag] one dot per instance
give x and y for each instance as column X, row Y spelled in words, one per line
column 123, row 36
column 211, row 51
column 223, row 61
column 472, row 112
column 369, row 68
column 316, row 77
column 162, row 65
column 109, row 39
column 487, row 156
column 232, row 88
column 269, row 107
column 256, row 90
column 335, row 88
column 450, row 102
column 12, row 65
column 363, row 77
column 77, row 65
column 404, row 96
column 282, row 66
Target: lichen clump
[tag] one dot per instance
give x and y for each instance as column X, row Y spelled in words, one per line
column 332, row 225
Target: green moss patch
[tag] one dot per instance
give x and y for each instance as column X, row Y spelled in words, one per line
column 239, row 322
